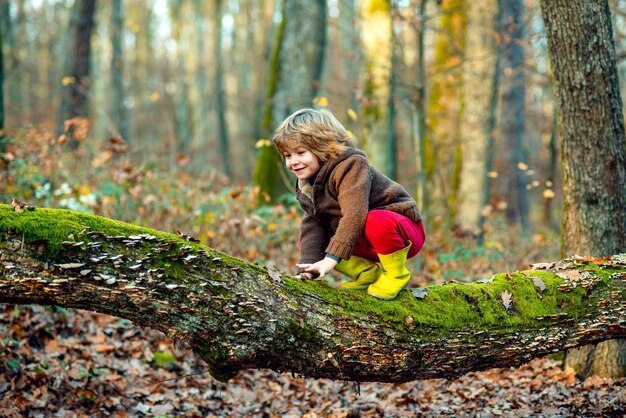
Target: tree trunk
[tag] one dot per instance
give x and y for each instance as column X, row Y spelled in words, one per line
column 220, row 96
column 377, row 51
column 419, row 109
column 2, row 144
column 513, row 119
column 143, row 86
column 444, row 109
column 580, row 41
column 237, row 315
column 118, row 107
column 199, row 93
column 182, row 122
column 551, row 172
column 478, row 69
column 16, row 43
column 293, row 80
column 75, row 98
column 391, row 152
column 351, row 56
column 490, row 129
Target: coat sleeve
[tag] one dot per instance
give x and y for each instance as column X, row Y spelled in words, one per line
column 353, row 182
column 313, row 239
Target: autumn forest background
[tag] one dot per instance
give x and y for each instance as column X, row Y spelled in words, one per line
column 160, row 112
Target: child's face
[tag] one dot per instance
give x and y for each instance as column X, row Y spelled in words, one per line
column 301, row 161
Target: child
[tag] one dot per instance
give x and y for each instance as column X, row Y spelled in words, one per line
column 354, row 215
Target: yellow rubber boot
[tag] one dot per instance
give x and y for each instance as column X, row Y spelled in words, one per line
column 395, row 276
column 362, row 271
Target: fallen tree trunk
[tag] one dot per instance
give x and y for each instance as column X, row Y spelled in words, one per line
column 237, row 315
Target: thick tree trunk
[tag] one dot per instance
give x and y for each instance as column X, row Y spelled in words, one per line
column 2, row 85
column 293, row 81
column 478, row 69
column 118, row 99
column 444, row 110
column 580, row 41
column 513, row 115
column 75, row 97
column 237, row 315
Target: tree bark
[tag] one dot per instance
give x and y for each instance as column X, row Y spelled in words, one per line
column 237, row 315
column 580, row 42
column 75, row 98
column 293, row 80
column 2, row 144
column 118, row 99
column 391, row 145
column 513, row 117
column 182, row 119
column 220, row 95
column 478, row 78
column 444, row 110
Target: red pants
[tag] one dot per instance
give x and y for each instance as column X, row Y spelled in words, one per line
column 387, row 232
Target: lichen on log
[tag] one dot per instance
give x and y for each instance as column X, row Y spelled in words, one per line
column 238, row 315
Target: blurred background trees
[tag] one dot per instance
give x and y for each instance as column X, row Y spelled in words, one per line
column 195, row 81
column 160, row 112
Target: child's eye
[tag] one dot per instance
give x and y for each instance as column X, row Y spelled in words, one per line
column 301, row 152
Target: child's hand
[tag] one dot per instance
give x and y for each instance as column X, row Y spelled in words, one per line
column 321, row 267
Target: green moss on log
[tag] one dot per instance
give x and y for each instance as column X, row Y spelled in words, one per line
column 457, row 306
column 58, row 225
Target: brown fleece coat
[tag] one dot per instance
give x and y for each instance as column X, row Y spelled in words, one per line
column 336, row 205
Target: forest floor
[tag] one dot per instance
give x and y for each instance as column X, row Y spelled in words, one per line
column 65, row 363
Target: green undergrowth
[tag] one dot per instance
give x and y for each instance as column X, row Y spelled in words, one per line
column 457, row 306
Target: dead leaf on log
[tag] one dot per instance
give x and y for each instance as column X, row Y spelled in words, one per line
column 571, row 275
column 541, row 266
column 409, row 322
column 539, row 283
column 507, row 299
column 274, row 273
column 19, row 206
column 486, row 280
column 588, row 259
column 187, row 237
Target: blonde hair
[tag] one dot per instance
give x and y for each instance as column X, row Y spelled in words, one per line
column 317, row 130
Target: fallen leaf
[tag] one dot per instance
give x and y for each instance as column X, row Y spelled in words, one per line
column 489, row 280
column 541, row 266
column 274, row 273
column 587, row 259
column 571, row 275
column 539, row 283
column 419, row 293
column 103, row 348
column 409, row 322
column 507, row 299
